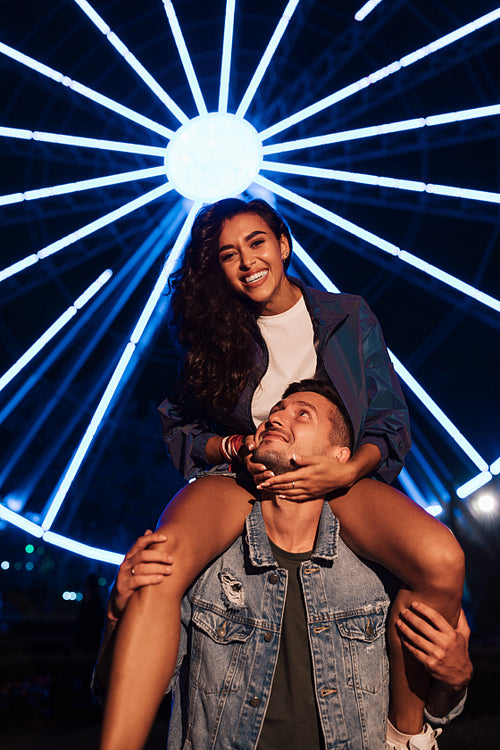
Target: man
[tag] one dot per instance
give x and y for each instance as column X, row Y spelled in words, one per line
column 252, row 672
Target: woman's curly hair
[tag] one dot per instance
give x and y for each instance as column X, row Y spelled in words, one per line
column 215, row 327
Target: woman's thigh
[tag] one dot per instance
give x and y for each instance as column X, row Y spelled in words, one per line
column 204, row 518
column 382, row 524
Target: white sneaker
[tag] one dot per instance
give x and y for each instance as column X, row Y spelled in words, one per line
column 426, row 740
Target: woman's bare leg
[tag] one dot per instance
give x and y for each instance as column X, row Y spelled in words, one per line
column 200, row 522
column 383, row 525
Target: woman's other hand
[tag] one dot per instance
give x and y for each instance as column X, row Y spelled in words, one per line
column 140, row 567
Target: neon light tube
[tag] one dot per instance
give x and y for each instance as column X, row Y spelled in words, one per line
column 311, row 264
column 381, row 181
column 89, row 93
column 60, row 541
column 452, row 281
column 367, row 8
column 387, row 247
column 411, row 488
column 94, row 553
column 438, row 414
column 134, row 63
column 72, row 187
column 474, row 484
column 58, row 324
column 495, row 467
column 167, row 269
column 389, row 127
column 20, row 521
column 227, row 45
column 380, row 74
column 76, row 140
column 185, row 58
column 266, row 57
column 84, row 231
column 338, row 174
column 18, row 267
column 71, row 471
column 333, row 218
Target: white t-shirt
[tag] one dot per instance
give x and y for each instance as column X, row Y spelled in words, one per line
column 289, row 337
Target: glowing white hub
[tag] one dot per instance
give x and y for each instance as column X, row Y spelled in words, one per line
column 213, row 156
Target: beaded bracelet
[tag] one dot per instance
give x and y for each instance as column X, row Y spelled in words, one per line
column 230, row 446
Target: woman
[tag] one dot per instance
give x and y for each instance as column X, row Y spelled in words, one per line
column 247, row 330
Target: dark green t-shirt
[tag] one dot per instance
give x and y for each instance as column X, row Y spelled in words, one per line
column 292, row 719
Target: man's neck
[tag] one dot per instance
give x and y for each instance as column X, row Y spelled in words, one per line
column 292, row 526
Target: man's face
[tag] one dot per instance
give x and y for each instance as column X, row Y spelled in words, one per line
column 300, row 424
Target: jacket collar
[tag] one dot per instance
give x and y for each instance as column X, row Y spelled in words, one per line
column 319, row 303
column 259, row 549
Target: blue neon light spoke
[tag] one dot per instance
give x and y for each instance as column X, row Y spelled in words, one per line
column 227, row 46
column 58, row 324
column 366, row 9
column 438, row 414
column 72, row 187
column 129, row 58
column 72, row 469
column 382, row 73
column 404, row 374
column 311, row 264
column 89, row 93
column 386, row 128
column 84, row 231
column 185, row 58
column 333, row 218
column 376, row 241
column 76, row 140
column 474, row 484
column 382, row 181
column 266, row 57
column 94, row 553
column 58, row 540
column 19, row 521
column 411, row 488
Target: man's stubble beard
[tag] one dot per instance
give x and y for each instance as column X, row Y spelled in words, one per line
column 274, row 461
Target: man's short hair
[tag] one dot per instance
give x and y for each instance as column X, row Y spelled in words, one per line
column 342, row 432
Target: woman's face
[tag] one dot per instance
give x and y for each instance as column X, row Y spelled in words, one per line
column 251, row 258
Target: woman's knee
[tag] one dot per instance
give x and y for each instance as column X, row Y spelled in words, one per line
column 442, row 566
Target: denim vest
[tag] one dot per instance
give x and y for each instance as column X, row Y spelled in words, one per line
column 230, row 635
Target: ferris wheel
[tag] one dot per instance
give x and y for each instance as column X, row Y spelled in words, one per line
column 373, row 128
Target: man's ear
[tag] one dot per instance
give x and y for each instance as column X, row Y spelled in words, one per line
column 342, row 454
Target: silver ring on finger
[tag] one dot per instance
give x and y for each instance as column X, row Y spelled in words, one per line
column 293, row 485
column 132, row 571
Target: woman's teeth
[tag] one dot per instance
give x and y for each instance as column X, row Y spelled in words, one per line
column 255, row 277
